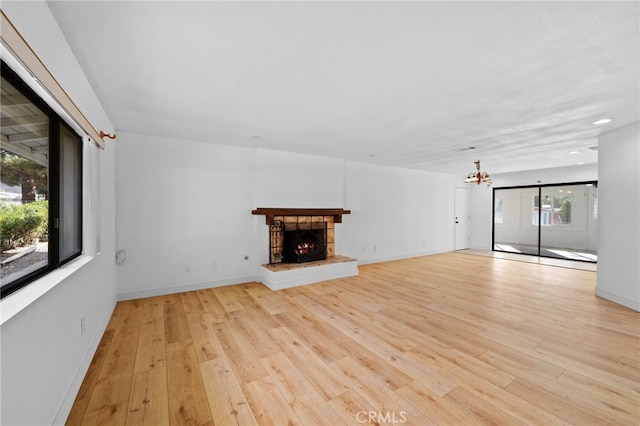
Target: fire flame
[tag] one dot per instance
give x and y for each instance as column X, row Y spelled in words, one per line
column 305, row 247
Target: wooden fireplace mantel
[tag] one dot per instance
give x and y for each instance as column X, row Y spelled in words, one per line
column 270, row 212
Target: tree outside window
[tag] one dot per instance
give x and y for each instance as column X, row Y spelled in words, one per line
column 554, row 210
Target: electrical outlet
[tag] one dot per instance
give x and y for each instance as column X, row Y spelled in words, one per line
column 187, row 268
column 82, row 325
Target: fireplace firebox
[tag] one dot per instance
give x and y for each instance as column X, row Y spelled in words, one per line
column 297, row 242
column 305, row 245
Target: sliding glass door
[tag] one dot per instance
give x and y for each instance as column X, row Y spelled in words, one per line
column 559, row 221
column 513, row 229
column 569, row 222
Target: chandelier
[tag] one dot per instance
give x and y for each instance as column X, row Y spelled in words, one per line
column 478, row 176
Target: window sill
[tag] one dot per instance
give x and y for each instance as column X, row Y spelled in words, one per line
column 16, row 302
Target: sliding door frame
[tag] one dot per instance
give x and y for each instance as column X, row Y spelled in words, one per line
column 539, row 187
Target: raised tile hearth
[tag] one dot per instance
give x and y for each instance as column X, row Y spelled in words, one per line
column 287, row 275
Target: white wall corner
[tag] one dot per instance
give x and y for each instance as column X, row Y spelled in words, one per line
column 616, row 298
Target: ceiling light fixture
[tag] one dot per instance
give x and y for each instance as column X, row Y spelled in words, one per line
column 478, row 176
column 603, row 121
column 573, row 152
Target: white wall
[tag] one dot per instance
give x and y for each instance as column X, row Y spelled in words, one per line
column 296, row 180
column 482, row 196
column 619, row 217
column 481, row 208
column 183, row 205
column 577, row 173
column 44, row 355
column 396, row 213
column 189, row 203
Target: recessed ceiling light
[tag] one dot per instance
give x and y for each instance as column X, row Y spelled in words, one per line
column 603, row 121
column 573, row 152
column 580, row 163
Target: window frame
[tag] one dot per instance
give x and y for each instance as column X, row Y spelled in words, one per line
column 55, row 195
column 539, row 227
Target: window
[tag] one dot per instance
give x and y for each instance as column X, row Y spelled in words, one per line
column 498, row 211
column 40, row 186
column 552, row 220
column 556, row 210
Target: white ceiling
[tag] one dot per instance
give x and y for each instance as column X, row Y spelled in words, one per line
column 408, row 84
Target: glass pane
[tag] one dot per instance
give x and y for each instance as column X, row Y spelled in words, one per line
column 24, row 185
column 515, row 220
column 70, row 193
column 569, row 222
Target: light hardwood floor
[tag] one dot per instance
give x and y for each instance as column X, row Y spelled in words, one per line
column 444, row 339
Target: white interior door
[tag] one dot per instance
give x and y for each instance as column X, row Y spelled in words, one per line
column 461, row 227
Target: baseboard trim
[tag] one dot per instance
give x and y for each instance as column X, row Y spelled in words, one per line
column 631, row 304
column 187, row 287
column 403, row 256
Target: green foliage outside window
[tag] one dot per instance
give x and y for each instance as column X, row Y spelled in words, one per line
column 565, row 211
column 23, row 224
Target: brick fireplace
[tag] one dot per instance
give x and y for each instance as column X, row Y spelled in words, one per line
column 303, row 240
